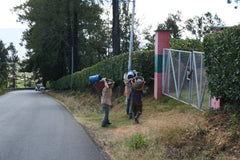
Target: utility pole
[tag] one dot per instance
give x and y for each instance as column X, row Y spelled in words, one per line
column 131, row 38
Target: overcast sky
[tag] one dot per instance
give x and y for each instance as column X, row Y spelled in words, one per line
column 150, row 12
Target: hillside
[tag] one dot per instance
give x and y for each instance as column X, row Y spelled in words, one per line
column 168, row 129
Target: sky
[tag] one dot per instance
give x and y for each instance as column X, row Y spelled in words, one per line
column 149, row 12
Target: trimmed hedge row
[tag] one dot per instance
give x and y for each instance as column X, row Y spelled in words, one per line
column 2, row 86
column 113, row 68
column 186, row 44
column 222, row 60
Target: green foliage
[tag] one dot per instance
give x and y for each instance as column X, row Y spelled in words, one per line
column 2, row 85
column 172, row 24
column 137, row 142
column 201, row 25
column 235, row 125
column 113, row 68
column 187, row 44
column 124, row 24
column 222, row 60
column 57, row 26
column 3, row 59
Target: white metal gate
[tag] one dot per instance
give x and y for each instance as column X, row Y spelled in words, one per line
column 184, row 77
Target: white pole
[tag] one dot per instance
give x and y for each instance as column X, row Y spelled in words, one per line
column 131, row 38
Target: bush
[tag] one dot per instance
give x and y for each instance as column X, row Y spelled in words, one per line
column 113, row 68
column 2, row 86
column 222, row 60
column 137, row 142
column 187, row 44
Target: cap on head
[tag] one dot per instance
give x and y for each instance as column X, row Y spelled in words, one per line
column 130, row 74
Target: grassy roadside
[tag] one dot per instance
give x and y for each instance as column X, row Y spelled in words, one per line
column 168, row 129
column 2, row 90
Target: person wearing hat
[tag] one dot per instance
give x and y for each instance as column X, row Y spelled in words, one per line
column 106, row 100
column 127, row 80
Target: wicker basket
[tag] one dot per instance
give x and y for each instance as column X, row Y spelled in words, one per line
column 138, row 83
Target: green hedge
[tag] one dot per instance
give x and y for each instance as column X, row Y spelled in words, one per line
column 222, row 60
column 2, row 86
column 186, row 44
column 113, row 68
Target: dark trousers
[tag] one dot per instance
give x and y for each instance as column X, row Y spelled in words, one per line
column 128, row 107
column 137, row 108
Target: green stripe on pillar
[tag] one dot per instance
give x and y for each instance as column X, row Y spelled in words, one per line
column 158, row 63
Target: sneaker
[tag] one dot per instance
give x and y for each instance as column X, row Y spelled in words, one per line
column 109, row 123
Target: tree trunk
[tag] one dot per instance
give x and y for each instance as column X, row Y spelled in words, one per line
column 69, row 38
column 75, row 35
column 116, row 29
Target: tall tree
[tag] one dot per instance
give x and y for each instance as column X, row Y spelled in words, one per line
column 199, row 26
column 3, row 64
column 13, row 60
column 57, row 26
column 172, row 23
column 116, row 29
column 125, row 29
column 76, row 16
column 149, row 38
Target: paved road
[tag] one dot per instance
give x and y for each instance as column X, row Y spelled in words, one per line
column 33, row 126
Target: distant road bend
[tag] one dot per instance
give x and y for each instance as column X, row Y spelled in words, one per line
column 33, row 126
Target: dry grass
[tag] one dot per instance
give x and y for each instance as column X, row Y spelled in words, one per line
column 168, row 130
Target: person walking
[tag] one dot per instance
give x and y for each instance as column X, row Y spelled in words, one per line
column 127, row 81
column 137, row 84
column 106, row 100
column 127, row 94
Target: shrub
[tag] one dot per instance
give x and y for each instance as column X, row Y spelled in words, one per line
column 186, row 44
column 137, row 142
column 113, row 68
column 2, row 86
column 222, row 60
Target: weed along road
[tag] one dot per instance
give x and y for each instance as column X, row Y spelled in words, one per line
column 33, row 126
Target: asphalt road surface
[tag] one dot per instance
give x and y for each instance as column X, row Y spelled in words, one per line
column 33, row 126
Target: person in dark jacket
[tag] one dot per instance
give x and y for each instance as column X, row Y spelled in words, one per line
column 137, row 84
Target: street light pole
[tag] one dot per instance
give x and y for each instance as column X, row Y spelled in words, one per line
column 131, row 38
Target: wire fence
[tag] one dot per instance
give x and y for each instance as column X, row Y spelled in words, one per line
column 184, row 77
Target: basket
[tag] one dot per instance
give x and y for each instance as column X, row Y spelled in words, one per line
column 99, row 85
column 138, row 83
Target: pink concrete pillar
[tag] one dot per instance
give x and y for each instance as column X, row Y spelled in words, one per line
column 162, row 40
